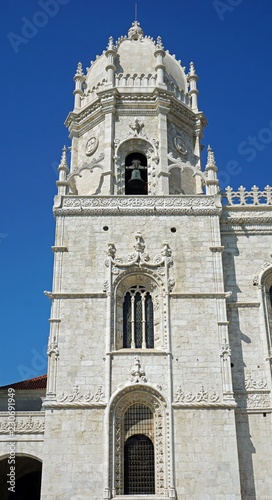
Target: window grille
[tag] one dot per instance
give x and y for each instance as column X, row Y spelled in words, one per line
column 139, row 475
column 138, row 322
column 139, row 466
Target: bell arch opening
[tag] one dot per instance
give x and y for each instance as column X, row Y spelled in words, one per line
column 136, row 174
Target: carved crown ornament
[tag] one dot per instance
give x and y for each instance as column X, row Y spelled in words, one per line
column 140, row 259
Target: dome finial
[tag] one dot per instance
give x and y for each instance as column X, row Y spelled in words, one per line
column 135, row 31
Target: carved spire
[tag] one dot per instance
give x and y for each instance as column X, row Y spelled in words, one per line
column 159, row 54
column 211, row 164
column 159, row 44
column 192, row 69
column 63, row 171
column 111, row 68
column 78, row 79
column 79, row 71
column 211, row 173
column 111, row 45
column 192, row 79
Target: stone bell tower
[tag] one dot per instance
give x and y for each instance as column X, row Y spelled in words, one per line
column 139, row 399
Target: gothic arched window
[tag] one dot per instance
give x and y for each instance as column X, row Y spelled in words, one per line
column 138, row 324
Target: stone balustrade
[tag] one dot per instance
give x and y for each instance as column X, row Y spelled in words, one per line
column 243, row 197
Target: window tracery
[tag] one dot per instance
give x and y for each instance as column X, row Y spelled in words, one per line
column 138, row 328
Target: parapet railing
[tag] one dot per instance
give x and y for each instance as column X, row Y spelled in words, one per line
column 243, row 197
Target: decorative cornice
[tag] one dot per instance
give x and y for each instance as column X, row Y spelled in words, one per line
column 257, row 218
column 144, row 205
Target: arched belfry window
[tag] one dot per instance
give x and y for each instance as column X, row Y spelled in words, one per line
column 138, row 324
column 136, row 174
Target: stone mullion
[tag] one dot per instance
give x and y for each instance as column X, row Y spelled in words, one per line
column 143, row 322
column 132, row 322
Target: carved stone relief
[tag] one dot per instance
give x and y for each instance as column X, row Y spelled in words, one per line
column 91, row 146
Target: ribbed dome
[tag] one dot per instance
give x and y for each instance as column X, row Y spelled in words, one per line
column 135, row 57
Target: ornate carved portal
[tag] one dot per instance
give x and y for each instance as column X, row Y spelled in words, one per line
column 156, row 430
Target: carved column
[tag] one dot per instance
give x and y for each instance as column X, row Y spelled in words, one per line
column 163, row 175
column 108, row 105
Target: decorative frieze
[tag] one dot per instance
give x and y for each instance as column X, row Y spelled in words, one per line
column 256, row 401
column 121, row 205
column 25, row 423
column 76, row 396
column 201, row 398
column 252, row 383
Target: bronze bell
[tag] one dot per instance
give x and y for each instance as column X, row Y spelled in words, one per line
column 136, row 181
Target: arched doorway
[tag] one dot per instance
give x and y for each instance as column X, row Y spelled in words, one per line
column 28, row 473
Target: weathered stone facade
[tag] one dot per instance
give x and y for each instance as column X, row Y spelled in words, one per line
column 200, row 361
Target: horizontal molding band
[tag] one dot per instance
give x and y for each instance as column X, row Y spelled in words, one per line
column 211, row 295
column 60, row 295
column 243, row 304
column 200, row 405
column 72, row 405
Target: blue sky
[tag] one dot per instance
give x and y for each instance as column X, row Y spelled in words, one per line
column 230, row 44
